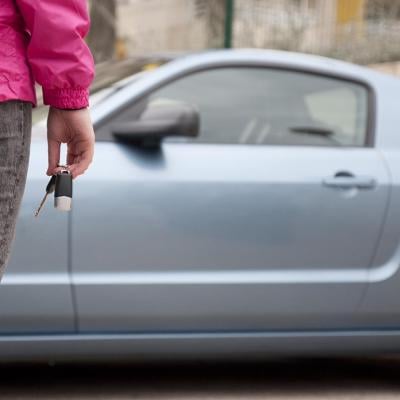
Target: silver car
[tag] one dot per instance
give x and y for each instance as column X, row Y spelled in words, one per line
column 241, row 204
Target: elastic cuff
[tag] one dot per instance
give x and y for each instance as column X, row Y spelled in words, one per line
column 67, row 99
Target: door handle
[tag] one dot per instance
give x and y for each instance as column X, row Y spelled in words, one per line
column 341, row 181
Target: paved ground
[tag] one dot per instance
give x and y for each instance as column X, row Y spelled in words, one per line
column 311, row 379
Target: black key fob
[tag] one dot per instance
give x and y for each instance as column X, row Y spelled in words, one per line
column 63, row 191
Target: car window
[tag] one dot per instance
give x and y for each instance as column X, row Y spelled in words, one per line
column 265, row 106
column 338, row 107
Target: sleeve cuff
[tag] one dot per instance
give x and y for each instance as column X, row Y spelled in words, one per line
column 67, row 99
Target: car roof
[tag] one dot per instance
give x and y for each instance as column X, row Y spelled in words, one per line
column 280, row 58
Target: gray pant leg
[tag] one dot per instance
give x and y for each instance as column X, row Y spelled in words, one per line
column 15, row 137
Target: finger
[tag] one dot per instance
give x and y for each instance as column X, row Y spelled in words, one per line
column 71, row 158
column 76, row 170
column 81, row 164
column 53, row 148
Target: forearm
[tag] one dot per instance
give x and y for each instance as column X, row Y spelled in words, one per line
column 59, row 58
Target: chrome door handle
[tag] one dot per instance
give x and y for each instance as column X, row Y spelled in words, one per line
column 348, row 182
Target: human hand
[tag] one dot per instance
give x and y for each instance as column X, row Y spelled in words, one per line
column 74, row 128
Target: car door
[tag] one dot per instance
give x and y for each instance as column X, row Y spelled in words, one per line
column 267, row 221
column 35, row 292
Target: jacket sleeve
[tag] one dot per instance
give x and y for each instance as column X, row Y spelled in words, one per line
column 60, row 60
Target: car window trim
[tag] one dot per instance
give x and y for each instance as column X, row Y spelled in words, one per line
column 369, row 141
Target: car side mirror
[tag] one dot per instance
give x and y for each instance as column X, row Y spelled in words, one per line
column 158, row 121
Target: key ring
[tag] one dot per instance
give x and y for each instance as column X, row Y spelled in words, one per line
column 65, row 168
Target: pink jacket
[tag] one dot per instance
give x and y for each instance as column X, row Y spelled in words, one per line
column 42, row 41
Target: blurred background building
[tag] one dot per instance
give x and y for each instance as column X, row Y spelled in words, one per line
column 362, row 31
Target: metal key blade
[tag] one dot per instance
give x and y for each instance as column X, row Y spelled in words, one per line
column 49, row 189
column 37, row 212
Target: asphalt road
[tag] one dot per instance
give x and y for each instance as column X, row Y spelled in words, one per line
column 284, row 379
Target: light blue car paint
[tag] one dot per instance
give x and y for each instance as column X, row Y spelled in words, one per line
column 213, row 250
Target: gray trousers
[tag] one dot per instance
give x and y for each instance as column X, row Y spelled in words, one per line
column 15, row 137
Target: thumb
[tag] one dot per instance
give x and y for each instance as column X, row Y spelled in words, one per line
column 54, row 155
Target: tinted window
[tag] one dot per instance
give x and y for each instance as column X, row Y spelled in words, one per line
column 270, row 106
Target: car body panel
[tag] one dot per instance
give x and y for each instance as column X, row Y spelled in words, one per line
column 35, row 294
column 220, row 237
column 382, row 301
column 238, row 346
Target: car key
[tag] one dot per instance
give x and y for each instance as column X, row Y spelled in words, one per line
column 63, row 190
column 61, row 184
column 49, row 189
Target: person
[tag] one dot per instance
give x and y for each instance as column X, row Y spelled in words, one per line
column 42, row 41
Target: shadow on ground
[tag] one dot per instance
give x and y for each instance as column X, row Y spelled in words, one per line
column 300, row 379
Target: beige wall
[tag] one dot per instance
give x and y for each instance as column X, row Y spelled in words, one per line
column 305, row 25
column 157, row 25
column 153, row 26
column 391, row 68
